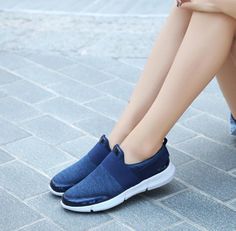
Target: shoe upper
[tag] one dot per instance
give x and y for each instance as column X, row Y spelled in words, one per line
column 80, row 169
column 113, row 176
column 232, row 125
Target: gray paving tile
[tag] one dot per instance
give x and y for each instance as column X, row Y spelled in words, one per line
column 124, row 71
column 233, row 204
column 216, row 154
column 183, row 227
column 208, row 179
column 96, row 125
column 3, row 93
column 112, row 226
column 212, row 127
column 37, row 153
column 7, row 77
column 138, row 62
column 190, row 112
column 54, row 62
column 117, row 88
column 177, row 157
column 14, row 213
column 109, row 106
column 76, row 91
column 15, row 110
column 166, row 190
column 142, row 215
column 12, row 61
column 10, row 132
column 39, row 74
column 79, row 147
column 179, row 134
column 65, row 109
column 27, row 91
column 51, row 130
column 202, row 210
column 215, row 105
column 42, row 225
column 5, row 157
column 21, row 180
column 49, row 205
column 86, row 74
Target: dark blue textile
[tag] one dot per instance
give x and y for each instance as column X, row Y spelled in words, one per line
column 113, row 176
column 232, row 125
column 79, row 170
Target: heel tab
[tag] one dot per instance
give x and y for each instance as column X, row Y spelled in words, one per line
column 165, row 141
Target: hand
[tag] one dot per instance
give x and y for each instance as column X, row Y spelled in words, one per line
column 199, row 5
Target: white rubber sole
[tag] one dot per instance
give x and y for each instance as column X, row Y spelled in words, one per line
column 153, row 182
column 55, row 193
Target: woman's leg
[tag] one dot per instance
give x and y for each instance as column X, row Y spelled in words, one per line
column 226, row 78
column 199, row 58
column 155, row 71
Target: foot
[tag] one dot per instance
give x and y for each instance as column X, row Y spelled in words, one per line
column 79, row 170
column 113, row 181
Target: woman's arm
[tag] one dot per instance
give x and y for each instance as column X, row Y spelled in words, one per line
column 227, row 7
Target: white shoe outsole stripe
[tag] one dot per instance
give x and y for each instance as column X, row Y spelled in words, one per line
column 153, row 182
column 55, row 193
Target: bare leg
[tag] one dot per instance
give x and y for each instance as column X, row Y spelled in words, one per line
column 226, row 78
column 199, row 58
column 155, row 71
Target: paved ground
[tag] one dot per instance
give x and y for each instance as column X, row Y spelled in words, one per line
column 66, row 72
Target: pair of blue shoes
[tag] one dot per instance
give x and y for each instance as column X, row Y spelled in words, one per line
column 101, row 179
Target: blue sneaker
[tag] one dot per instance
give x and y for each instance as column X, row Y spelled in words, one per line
column 232, row 125
column 114, row 181
column 79, row 170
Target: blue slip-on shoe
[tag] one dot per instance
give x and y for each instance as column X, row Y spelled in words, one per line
column 114, row 181
column 80, row 169
column 232, row 125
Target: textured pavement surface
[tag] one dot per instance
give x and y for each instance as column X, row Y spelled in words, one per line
column 67, row 69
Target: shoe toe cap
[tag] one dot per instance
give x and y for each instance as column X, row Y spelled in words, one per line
column 59, row 186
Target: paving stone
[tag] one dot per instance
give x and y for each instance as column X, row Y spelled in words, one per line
column 212, row 127
column 79, row 147
column 202, row 210
column 216, row 154
column 40, row 74
column 15, row 110
column 138, row 62
column 140, row 214
column 117, row 88
column 42, row 226
column 166, row 190
column 98, row 62
column 14, row 210
column 37, row 153
column 49, row 205
column 190, row 112
column 96, row 125
column 86, row 74
column 22, row 180
column 76, row 91
column 12, row 61
column 27, row 91
column 178, row 157
column 7, row 77
column 65, row 109
column 3, row 93
column 50, row 61
column 215, row 105
column 53, row 171
column 208, row 179
column 179, row 134
column 183, row 227
column 124, row 71
column 5, row 157
column 233, row 204
column 51, row 130
column 112, row 226
column 109, row 106
column 10, row 132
